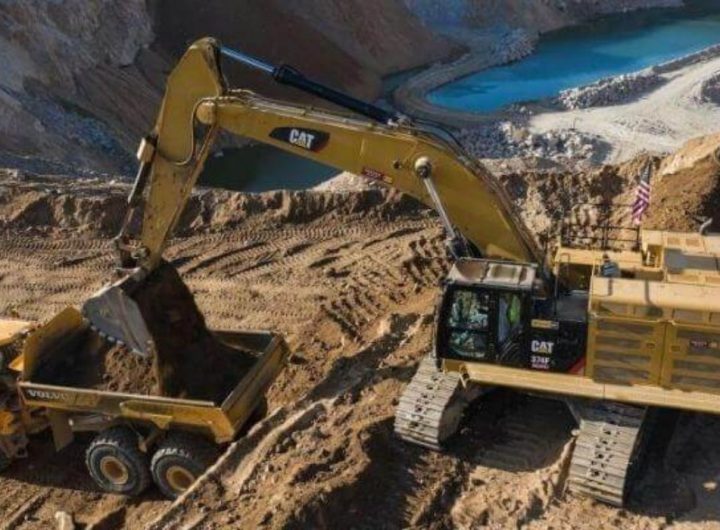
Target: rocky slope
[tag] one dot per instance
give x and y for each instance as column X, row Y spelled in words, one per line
column 83, row 80
column 72, row 72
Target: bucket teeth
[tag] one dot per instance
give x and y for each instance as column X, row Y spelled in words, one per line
column 116, row 317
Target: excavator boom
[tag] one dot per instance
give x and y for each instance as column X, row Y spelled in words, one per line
column 417, row 159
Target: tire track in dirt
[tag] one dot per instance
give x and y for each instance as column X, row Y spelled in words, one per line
column 516, row 451
column 313, row 460
column 395, row 269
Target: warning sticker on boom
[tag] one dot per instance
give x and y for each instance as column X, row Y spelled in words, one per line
column 374, row 174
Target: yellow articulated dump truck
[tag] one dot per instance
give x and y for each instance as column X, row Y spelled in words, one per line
column 160, row 421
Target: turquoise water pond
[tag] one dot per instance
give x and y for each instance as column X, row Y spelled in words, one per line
column 580, row 55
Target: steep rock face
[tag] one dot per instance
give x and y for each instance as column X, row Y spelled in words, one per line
column 380, row 33
column 266, row 29
column 56, row 54
column 82, row 79
column 346, row 43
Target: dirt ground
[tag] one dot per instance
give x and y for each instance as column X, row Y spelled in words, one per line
column 350, row 279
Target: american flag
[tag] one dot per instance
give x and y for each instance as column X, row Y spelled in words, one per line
column 642, row 195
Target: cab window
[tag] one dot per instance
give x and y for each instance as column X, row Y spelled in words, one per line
column 468, row 324
column 509, row 317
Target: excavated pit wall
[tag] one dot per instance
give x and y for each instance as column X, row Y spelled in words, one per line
column 82, row 81
column 496, row 32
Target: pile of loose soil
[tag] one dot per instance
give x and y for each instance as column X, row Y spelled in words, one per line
column 585, row 200
column 189, row 361
column 88, row 361
column 687, row 187
column 128, row 372
column 50, row 205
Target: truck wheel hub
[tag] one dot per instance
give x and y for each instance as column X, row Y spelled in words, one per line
column 179, row 478
column 114, row 470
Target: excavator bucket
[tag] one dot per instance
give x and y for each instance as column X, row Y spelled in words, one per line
column 147, row 312
column 116, row 315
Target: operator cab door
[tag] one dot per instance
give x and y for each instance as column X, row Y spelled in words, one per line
column 484, row 325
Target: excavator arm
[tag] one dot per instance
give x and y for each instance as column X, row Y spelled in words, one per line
column 401, row 155
column 417, row 159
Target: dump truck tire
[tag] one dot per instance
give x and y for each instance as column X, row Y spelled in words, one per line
column 116, row 463
column 179, row 460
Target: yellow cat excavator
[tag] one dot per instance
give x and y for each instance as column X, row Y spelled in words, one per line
column 615, row 330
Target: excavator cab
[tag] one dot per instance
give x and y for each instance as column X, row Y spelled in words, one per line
column 496, row 312
column 485, row 313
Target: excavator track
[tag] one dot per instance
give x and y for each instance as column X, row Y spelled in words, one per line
column 607, row 451
column 431, row 407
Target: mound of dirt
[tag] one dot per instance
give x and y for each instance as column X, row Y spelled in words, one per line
column 216, row 209
column 189, row 361
column 547, row 199
column 128, row 373
column 54, row 204
column 60, row 204
column 88, row 361
column 710, row 90
column 686, row 188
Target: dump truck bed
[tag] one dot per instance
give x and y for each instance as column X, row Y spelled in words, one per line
column 60, row 373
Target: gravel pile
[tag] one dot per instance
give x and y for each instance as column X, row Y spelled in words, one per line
column 610, row 91
column 710, row 90
column 506, row 140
